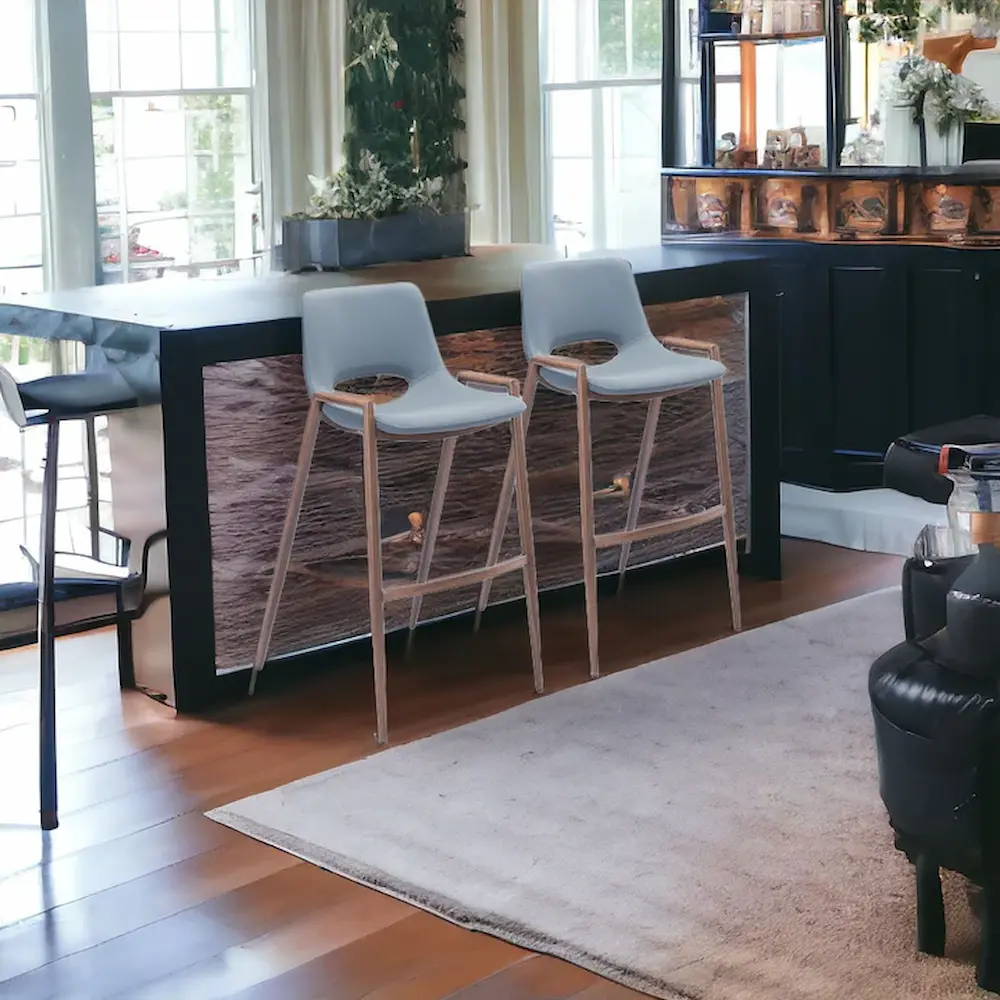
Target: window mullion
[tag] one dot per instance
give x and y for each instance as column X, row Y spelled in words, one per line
column 68, row 145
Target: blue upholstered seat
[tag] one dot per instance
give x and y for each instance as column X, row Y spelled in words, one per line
column 568, row 302
column 351, row 333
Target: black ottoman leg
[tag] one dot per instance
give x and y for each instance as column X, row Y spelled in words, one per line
column 988, row 975
column 930, row 907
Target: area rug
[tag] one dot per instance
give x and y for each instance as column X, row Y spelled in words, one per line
column 706, row 826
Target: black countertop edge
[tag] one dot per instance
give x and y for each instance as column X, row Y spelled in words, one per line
column 663, row 274
column 987, row 173
column 135, row 321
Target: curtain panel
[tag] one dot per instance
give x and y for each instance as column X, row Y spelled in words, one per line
column 300, row 70
column 504, row 118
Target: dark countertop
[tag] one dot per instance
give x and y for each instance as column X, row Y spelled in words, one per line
column 124, row 327
column 124, row 316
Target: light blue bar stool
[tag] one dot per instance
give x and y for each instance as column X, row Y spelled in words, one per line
column 352, row 333
column 567, row 302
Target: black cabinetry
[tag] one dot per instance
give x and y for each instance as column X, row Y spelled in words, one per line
column 878, row 341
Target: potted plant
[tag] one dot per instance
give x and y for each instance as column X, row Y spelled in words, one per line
column 360, row 216
column 401, row 195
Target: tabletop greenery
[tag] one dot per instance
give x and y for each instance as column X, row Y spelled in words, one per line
column 404, row 112
column 931, row 89
column 901, row 20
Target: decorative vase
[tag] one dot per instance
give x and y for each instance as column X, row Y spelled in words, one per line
column 973, row 603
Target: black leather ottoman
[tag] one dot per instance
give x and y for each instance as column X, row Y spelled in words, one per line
column 938, row 744
column 911, row 461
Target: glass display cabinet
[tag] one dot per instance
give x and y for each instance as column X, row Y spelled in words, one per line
column 816, row 120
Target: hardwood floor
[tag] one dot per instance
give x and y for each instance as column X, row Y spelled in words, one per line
column 138, row 895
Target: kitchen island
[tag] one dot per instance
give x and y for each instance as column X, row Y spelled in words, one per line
column 213, row 453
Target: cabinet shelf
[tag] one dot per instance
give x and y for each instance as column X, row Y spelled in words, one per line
column 792, row 36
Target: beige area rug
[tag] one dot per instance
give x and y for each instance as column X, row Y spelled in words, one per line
column 707, row 826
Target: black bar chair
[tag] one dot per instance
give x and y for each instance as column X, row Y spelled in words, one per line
column 50, row 401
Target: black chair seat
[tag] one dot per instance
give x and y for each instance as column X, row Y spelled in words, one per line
column 69, row 397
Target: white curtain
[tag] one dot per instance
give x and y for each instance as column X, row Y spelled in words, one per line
column 300, row 64
column 504, row 119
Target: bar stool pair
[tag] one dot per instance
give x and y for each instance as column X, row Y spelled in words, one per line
column 352, row 333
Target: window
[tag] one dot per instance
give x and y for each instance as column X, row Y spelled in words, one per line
column 20, row 168
column 601, row 64
column 172, row 99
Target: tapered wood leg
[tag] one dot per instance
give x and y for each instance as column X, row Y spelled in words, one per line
column 431, row 533
column 506, row 494
column 930, row 907
column 639, row 485
column 527, row 536
column 93, row 488
column 306, row 449
column 376, row 594
column 587, row 526
column 726, row 492
column 988, row 972
column 47, row 776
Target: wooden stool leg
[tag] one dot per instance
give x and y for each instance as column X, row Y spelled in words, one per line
column 988, row 973
column 639, row 485
column 306, row 449
column 376, row 594
column 587, row 527
column 726, row 492
column 506, row 493
column 528, row 548
column 431, row 533
column 93, row 488
column 930, row 907
column 48, row 774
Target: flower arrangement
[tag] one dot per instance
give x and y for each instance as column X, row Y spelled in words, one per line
column 367, row 191
column 886, row 20
column 956, row 99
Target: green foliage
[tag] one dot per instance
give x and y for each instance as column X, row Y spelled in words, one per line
column 881, row 20
column 647, row 37
column 402, row 56
column 366, row 191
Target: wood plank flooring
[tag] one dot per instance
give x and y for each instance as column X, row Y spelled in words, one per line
column 138, row 895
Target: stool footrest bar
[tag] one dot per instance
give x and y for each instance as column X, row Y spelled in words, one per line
column 613, row 538
column 453, row 581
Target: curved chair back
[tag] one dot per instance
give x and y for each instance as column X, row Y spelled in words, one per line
column 10, row 398
column 588, row 298
column 364, row 331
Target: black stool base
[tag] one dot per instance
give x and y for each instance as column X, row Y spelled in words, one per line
column 988, row 972
column 930, row 907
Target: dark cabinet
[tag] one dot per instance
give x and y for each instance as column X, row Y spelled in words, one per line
column 878, row 341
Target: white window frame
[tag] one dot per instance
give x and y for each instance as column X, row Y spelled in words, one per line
column 249, row 92
column 63, row 99
column 6, row 99
column 597, row 86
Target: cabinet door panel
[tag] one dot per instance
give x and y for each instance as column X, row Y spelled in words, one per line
column 870, row 369
column 947, row 349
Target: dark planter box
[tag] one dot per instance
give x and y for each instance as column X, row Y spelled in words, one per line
column 336, row 244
